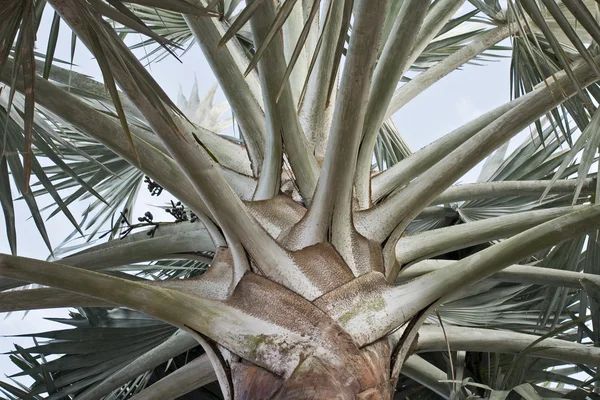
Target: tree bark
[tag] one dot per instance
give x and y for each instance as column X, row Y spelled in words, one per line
column 365, row 375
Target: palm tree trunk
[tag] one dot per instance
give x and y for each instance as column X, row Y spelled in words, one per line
column 363, row 376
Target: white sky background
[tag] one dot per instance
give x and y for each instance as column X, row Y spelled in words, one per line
column 455, row 100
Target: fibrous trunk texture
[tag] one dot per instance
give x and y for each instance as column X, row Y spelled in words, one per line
column 364, row 375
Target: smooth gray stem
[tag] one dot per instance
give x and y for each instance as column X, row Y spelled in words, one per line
column 431, row 338
column 426, row 79
column 313, row 36
column 472, row 191
column 270, row 178
column 439, row 14
column 390, row 68
column 407, row 169
column 432, row 243
column 76, row 82
column 291, row 29
column 427, row 374
column 444, row 282
column 195, row 374
column 527, row 274
column 137, row 247
column 243, row 94
column 282, row 118
column 43, row 298
column 315, row 112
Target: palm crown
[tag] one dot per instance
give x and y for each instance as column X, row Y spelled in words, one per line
column 314, row 255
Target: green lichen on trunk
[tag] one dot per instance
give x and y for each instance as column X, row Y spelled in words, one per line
column 373, row 305
column 253, row 342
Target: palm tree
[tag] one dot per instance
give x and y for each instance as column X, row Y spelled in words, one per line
column 313, row 254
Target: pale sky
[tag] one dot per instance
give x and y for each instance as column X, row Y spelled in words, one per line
column 458, row 98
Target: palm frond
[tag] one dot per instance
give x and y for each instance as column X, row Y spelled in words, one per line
column 100, row 342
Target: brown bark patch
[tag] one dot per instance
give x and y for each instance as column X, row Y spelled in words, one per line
column 324, row 265
column 313, row 379
column 251, row 382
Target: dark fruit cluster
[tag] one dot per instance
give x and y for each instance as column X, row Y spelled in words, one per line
column 147, row 217
column 154, row 188
column 180, row 214
column 127, row 227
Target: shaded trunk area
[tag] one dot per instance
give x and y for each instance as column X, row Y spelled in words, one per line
column 364, row 377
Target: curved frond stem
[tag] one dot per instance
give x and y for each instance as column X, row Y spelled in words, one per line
column 431, row 338
column 406, row 170
column 407, row 336
column 444, row 282
column 168, row 240
column 193, row 375
column 391, row 66
column 316, row 113
column 291, row 31
column 37, row 299
column 419, row 193
column 413, row 248
column 281, row 116
column 526, row 274
column 313, row 35
column 136, row 295
column 272, row 62
column 330, row 212
column 427, row 374
column 228, row 63
column 421, row 82
column 482, row 190
column 73, row 80
column 439, row 14
column 220, row 367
